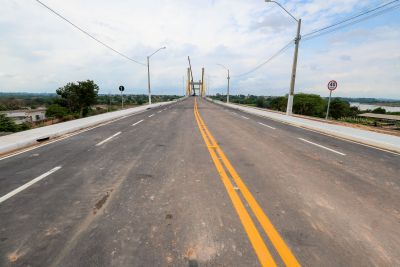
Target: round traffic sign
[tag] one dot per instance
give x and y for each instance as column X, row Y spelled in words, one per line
column 121, row 88
column 332, row 85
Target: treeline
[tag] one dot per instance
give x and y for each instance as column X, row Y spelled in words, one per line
column 16, row 101
column 303, row 104
column 72, row 101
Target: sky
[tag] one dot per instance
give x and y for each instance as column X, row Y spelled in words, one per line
column 39, row 52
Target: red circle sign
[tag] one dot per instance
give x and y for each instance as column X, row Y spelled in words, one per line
column 332, row 85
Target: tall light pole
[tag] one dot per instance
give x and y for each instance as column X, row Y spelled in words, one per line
column 227, row 93
column 294, row 67
column 148, row 72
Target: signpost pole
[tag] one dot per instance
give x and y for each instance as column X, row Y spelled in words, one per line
column 122, row 100
column 121, row 89
column 329, row 103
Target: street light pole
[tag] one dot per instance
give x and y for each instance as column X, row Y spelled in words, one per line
column 148, row 72
column 227, row 97
column 148, row 79
column 227, row 94
column 294, row 66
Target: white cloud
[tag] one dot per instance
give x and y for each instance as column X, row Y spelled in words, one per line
column 40, row 52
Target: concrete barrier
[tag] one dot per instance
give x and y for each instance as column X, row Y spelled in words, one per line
column 15, row 141
column 379, row 140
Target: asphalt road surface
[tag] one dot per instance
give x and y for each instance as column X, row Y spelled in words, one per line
column 198, row 184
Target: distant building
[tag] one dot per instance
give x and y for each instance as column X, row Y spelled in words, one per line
column 26, row 115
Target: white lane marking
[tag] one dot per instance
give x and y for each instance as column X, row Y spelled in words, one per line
column 159, row 111
column 108, row 139
column 324, row 147
column 28, row 184
column 273, row 128
column 136, row 123
column 151, row 115
column 244, row 117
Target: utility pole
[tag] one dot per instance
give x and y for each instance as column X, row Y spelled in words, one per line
column 294, row 66
column 294, row 69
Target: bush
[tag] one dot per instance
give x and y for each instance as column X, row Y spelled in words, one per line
column 7, row 124
column 309, row 104
column 340, row 108
column 56, row 111
column 278, row 103
column 379, row 110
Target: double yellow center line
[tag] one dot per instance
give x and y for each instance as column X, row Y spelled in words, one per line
column 223, row 166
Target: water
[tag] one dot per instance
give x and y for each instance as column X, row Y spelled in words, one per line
column 372, row 107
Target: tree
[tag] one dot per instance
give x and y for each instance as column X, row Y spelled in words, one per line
column 309, row 104
column 79, row 97
column 339, row 109
column 7, row 124
column 56, row 111
column 260, row 102
column 379, row 110
column 278, row 103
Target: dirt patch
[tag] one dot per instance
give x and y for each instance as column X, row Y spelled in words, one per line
column 52, row 231
column 14, row 256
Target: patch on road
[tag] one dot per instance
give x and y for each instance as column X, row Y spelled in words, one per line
column 101, row 202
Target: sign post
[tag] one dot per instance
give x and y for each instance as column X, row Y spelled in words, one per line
column 332, row 85
column 121, row 89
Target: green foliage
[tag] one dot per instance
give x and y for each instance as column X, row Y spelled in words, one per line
column 14, row 101
column 379, row 110
column 79, row 96
column 309, row 104
column 23, row 126
column 278, row 103
column 340, row 108
column 56, row 111
column 7, row 124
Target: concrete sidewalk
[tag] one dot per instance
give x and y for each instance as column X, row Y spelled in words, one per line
column 379, row 140
column 27, row 138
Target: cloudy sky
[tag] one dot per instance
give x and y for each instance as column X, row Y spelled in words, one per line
column 39, row 52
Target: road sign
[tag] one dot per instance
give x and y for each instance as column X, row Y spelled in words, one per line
column 121, row 88
column 332, row 85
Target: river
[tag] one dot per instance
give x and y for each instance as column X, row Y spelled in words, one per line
column 372, row 107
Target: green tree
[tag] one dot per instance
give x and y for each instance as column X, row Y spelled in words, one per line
column 260, row 102
column 7, row 124
column 56, row 111
column 309, row 104
column 278, row 103
column 379, row 110
column 339, row 109
column 79, row 96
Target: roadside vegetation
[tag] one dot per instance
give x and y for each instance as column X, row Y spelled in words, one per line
column 312, row 105
column 72, row 101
